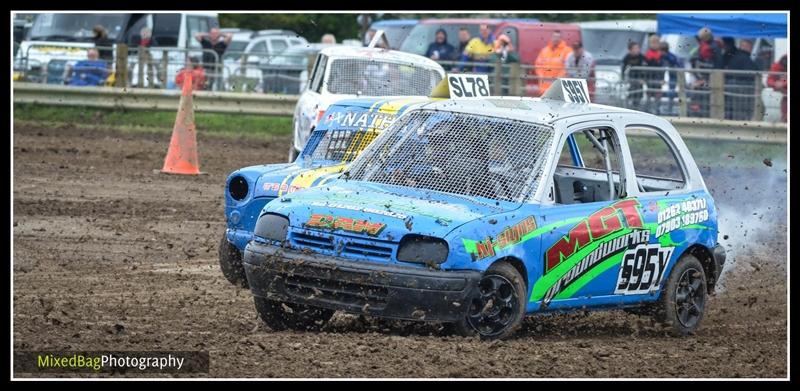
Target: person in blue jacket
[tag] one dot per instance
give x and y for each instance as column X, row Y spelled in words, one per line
column 440, row 49
column 89, row 72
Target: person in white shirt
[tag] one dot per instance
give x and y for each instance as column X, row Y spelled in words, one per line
column 579, row 63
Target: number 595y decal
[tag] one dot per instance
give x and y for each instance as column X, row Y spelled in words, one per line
column 642, row 269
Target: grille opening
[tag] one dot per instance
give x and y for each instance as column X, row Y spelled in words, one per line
column 368, row 250
column 348, row 293
column 301, row 239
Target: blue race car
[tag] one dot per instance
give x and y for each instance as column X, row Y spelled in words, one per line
column 480, row 211
column 347, row 127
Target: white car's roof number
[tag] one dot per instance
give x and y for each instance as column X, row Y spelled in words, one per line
column 568, row 90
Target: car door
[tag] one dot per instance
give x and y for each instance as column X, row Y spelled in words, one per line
column 674, row 215
column 590, row 217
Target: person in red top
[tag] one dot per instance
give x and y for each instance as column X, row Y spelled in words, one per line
column 655, row 79
column 197, row 71
column 780, row 82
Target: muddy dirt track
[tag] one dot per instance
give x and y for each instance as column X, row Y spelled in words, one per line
column 109, row 256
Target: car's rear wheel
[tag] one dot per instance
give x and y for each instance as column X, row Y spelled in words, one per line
column 289, row 316
column 683, row 299
column 230, row 262
column 499, row 306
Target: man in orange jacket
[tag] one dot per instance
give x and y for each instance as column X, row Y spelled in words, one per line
column 549, row 64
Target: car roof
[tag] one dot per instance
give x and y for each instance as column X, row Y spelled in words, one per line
column 492, row 21
column 538, row 110
column 462, row 21
column 395, row 22
column 645, row 25
column 310, row 47
column 379, row 54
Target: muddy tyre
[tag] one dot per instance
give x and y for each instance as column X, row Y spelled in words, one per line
column 230, row 262
column 289, row 316
column 684, row 297
column 499, row 307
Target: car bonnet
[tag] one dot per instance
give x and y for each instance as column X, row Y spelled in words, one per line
column 381, row 211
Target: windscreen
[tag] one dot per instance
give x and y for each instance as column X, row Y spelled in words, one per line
column 344, row 132
column 76, row 27
column 609, row 47
column 235, row 50
column 395, row 35
column 423, row 35
column 458, row 153
column 370, row 77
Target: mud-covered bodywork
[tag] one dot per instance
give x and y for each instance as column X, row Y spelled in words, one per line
column 346, row 129
column 454, row 187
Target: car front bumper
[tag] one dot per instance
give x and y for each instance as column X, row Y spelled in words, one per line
column 382, row 290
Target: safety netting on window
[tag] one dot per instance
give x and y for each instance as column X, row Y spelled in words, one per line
column 466, row 154
column 340, row 144
column 371, row 77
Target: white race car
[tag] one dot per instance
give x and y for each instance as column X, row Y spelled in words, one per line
column 342, row 72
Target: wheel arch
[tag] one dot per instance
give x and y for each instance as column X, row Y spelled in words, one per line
column 706, row 258
column 517, row 264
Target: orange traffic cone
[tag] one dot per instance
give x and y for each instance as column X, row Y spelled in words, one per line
column 182, row 154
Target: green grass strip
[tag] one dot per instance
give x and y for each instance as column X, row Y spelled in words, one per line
column 231, row 124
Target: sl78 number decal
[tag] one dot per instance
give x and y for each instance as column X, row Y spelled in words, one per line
column 468, row 86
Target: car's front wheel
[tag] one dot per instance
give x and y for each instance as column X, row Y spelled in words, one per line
column 230, row 262
column 683, row 299
column 498, row 308
column 289, row 316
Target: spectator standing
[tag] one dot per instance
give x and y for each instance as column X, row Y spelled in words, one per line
column 328, row 39
column 214, row 41
column 479, row 49
column 655, row 78
column 741, row 104
column 670, row 60
column 635, row 79
column 463, row 39
column 549, row 64
column 198, row 74
column 145, row 58
column 778, row 80
column 89, row 72
column 707, row 55
column 764, row 58
column 439, row 49
column 103, row 44
column 503, row 52
column 580, row 64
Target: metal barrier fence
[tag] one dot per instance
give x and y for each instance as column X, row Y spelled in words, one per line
column 705, row 93
column 700, row 93
column 158, row 67
column 278, row 104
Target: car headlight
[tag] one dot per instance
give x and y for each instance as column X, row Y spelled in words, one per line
column 422, row 249
column 238, row 188
column 272, row 227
